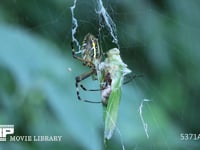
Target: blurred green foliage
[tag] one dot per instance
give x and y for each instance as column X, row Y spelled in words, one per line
column 158, row 39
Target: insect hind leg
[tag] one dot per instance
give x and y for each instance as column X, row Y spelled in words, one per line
column 129, row 78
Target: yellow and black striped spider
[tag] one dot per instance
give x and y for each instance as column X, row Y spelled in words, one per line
column 90, row 55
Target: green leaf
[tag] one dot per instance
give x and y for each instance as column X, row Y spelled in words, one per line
column 44, row 100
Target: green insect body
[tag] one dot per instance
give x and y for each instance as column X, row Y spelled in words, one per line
column 113, row 70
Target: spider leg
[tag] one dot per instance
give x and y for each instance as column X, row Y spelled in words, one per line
column 85, row 89
column 78, row 80
column 74, row 55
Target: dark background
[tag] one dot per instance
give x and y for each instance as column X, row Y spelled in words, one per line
column 158, row 39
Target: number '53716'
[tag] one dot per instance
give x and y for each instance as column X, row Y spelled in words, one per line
column 189, row 136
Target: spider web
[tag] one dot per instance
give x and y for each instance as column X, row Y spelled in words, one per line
column 105, row 22
column 95, row 14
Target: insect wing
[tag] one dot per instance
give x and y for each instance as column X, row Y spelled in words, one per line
column 117, row 69
column 111, row 111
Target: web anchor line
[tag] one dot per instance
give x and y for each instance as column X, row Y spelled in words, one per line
column 109, row 23
column 74, row 24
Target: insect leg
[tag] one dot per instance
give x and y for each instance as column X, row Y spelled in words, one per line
column 129, row 78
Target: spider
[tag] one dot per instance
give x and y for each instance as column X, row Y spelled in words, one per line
column 90, row 55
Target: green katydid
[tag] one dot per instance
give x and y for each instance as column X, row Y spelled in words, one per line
column 112, row 72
